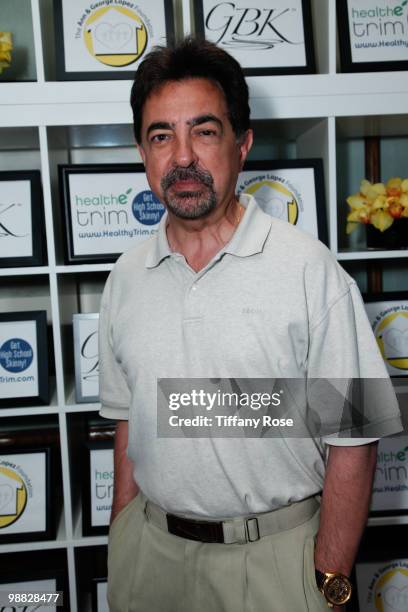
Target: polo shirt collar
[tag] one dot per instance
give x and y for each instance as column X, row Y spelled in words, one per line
column 250, row 236
column 248, row 239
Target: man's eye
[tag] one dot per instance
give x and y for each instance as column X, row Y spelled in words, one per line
column 207, row 132
column 160, row 137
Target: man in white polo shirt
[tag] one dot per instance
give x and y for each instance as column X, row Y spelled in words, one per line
column 226, row 293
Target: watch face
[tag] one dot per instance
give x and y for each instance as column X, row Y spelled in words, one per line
column 337, row 590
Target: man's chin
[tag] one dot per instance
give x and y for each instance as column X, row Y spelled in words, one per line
column 189, row 205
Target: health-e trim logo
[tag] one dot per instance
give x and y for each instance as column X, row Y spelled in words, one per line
column 116, row 36
column 13, row 494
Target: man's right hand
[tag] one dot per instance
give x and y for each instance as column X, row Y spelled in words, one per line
column 124, row 486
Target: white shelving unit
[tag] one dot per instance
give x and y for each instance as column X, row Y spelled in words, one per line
column 47, row 122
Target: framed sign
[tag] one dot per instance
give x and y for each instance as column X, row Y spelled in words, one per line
column 99, row 595
column 373, row 37
column 292, row 190
column 382, row 586
column 97, row 488
column 264, row 38
column 108, row 39
column 25, row 495
column 390, row 488
column 21, row 219
column 46, row 585
column 23, row 359
column 108, row 209
column 86, row 355
column 388, row 315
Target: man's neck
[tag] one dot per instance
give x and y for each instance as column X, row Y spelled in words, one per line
column 199, row 240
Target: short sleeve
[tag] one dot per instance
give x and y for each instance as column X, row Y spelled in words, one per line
column 113, row 387
column 342, row 346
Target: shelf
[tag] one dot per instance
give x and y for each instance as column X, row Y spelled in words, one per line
column 59, row 542
column 52, row 408
column 90, row 541
column 73, row 408
column 377, row 521
column 101, row 102
column 401, row 388
column 29, row 271
column 354, row 255
column 25, row 411
column 104, row 267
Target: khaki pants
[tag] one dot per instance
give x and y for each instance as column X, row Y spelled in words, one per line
column 150, row 570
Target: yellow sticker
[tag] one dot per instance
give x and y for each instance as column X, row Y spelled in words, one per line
column 392, row 338
column 275, row 199
column 13, row 496
column 391, row 591
column 115, row 36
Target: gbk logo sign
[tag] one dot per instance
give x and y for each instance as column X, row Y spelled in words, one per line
column 15, row 219
column 259, row 33
column 263, row 27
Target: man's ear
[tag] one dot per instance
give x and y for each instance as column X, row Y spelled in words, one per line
column 245, row 144
column 141, row 153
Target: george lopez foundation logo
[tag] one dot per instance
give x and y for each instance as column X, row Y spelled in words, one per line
column 241, row 25
column 391, row 331
column 15, row 488
column 388, row 590
column 115, row 32
column 276, row 196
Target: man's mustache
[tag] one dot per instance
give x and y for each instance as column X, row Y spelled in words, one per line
column 185, row 174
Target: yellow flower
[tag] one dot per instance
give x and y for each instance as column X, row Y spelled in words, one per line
column 404, row 200
column 382, row 220
column 375, row 190
column 365, row 186
column 393, row 186
column 6, row 46
column 356, row 201
column 378, row 204
column 380, row 201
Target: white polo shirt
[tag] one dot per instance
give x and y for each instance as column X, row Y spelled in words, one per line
column 274, row 303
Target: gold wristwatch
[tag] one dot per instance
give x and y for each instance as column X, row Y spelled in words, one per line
column 335, row 587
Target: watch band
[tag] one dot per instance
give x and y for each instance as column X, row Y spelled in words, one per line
column 320, row 578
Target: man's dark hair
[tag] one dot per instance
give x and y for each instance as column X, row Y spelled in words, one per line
column 192, row 58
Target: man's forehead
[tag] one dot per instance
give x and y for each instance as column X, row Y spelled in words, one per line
column 188, row 99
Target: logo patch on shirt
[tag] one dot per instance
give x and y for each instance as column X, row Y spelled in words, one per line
column 252, row 310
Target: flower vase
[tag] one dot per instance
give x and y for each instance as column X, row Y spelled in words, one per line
column 395, row 237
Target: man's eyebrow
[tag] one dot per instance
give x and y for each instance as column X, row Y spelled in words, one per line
column 159, row 125
column 205, row 119
column 165, row 125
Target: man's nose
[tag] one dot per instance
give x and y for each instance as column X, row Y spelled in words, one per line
column 185, row 154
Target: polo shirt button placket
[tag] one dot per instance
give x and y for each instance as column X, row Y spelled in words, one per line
column 192, row 304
